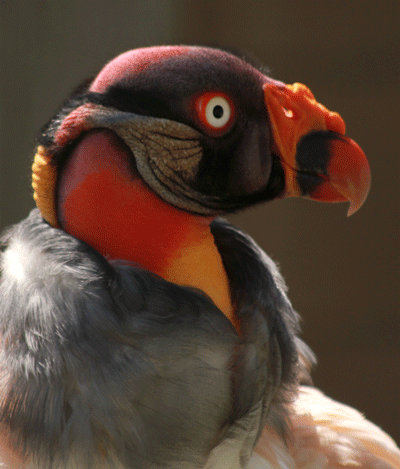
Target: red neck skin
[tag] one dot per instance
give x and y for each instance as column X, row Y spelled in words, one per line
column 102, row 202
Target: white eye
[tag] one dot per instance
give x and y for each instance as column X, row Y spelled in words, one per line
column 217, row 112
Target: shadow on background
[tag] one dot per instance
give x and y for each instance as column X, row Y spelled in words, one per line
column 343, row 273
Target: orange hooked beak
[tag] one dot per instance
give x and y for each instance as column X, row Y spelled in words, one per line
column 319, row 160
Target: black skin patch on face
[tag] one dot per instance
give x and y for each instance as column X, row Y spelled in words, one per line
column 312, row 158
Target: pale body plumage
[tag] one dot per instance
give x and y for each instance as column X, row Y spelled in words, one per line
column 325, row 434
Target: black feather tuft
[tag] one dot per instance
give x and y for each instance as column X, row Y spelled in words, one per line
column 76, row 98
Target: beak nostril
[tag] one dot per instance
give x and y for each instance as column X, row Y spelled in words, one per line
column 288, row 112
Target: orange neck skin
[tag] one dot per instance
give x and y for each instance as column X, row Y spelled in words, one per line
column 101, row 203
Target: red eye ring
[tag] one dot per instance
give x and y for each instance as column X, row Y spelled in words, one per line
column 215, row 112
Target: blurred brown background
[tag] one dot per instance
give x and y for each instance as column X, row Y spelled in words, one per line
column 343, row 273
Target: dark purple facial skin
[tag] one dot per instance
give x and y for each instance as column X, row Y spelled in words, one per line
column 165, row 81
column 238, row 167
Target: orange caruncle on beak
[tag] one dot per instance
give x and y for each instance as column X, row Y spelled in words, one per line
column 319, row 161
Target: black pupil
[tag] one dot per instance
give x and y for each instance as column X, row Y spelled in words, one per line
column 218, row 111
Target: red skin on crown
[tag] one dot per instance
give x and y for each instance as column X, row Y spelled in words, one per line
column 132, row 62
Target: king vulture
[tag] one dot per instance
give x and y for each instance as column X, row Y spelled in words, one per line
column 138, row 328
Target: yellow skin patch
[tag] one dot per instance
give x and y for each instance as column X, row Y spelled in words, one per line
column 44, row 178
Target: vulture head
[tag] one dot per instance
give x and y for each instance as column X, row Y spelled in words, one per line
column 194, row 129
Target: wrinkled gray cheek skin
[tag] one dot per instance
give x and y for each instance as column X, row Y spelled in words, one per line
column 167, row 154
